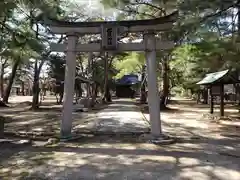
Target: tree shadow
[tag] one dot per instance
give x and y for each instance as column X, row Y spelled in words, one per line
column 45, row 120
column 117, row 162
column 125, row 156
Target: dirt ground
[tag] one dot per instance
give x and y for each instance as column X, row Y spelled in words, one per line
column 19, row 118
column 205, row 148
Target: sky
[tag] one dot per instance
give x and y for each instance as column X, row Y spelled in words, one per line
column 93, row 7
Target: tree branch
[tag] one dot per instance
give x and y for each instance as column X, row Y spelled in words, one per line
column 138, row 2
column 219, row 12
column 135, row 12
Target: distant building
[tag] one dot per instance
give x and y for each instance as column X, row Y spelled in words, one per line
column 127, row 86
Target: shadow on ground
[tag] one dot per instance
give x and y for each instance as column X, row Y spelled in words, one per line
column 96, row 159
column 203, row 150
column 44, row 120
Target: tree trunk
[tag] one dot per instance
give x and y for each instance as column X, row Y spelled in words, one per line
column 198, row 96
column 2, row 80
column 2, row 119
column 143, row 97
column 205, row 96
column 211, row 101
column 35, row 100
column 10, row 83
column 108, row 96
column 23, row 89
column 222, row 100
column 36, row 89
column 94, row 94
column 106, row 88
column 89, row 72
column 165, row 92
column 238, row 23
column 238, row 95
column 2, row 64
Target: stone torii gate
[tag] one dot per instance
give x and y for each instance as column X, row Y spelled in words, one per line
column 110, row 31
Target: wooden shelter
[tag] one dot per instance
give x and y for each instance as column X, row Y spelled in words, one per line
column 215, row 83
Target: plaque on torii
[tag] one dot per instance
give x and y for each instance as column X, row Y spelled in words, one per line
column 109, row 38
column 110, row 31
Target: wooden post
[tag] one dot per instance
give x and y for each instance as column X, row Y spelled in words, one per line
column 211, row 101
column 222, row 99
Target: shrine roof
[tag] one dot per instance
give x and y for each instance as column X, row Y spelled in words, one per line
column 221, row 77
column 129, row 79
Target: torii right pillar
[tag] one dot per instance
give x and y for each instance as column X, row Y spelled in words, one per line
column 153, row 95
column 69, row 82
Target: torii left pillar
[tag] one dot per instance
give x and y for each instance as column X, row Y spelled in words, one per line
column 153, row 95
column 69, row 82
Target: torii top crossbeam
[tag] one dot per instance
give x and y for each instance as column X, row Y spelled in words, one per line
column 95, row 27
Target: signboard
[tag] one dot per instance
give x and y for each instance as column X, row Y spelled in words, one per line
column 215, row 90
